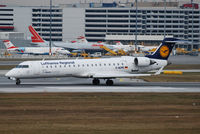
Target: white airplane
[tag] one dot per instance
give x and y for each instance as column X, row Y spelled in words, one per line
column 33, row 50
column 118, row 46
column 127, row 48
column 105, row 68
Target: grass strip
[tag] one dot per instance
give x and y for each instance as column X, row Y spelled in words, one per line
column 100, row 113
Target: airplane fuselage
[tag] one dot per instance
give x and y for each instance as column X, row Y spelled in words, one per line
column 37, row 50
column 85, row 68
column 87, row 47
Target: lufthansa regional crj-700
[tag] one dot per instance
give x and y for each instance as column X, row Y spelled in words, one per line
column 105, row 68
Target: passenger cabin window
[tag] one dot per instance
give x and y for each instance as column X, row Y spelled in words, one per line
column 22, row 66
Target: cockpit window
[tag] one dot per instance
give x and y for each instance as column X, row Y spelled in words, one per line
column 22, row 66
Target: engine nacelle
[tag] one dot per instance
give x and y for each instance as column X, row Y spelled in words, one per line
column 143, row 61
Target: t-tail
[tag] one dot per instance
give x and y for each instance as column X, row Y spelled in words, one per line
column 8, row 44
column 164, row 50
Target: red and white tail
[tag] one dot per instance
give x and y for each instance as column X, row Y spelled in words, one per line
column 118, row 43
column 9, row 44
column 36, row 37
column 82, row 39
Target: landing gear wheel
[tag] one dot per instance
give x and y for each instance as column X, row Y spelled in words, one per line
column 18, row 81
column 96, row 82
column 109, row 82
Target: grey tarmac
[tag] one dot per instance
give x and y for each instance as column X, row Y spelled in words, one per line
column 71, row 84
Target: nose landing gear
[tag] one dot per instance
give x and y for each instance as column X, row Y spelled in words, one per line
column 18, row 82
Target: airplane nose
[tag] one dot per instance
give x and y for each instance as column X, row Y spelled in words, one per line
column 10, row 73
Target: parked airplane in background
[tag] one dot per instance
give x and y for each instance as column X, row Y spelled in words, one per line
column 105, row 68
column 118, row 46
column 127, row 48
column 33, row 50
column 82, row 44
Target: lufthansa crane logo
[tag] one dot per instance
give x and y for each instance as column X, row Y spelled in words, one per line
column 164, row 51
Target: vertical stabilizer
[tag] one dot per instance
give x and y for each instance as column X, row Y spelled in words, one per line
column 9, row 44
column 164, row 50
column 36, row 37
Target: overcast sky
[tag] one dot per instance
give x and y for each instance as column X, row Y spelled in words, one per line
column 57, row 2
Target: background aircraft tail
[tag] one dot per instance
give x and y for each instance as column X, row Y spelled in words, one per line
column 8, row 44
column 164, row 50
column 36, row 37
column 119, row 43
column 82, row 39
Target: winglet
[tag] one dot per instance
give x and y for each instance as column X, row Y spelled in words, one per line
column 159, row 71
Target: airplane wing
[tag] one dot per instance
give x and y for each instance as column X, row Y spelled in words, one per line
column 118, row 75
column 110, row 75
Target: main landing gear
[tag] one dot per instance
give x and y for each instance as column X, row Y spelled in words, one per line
column 109, row 82
column 97, row 82
column 18, row 81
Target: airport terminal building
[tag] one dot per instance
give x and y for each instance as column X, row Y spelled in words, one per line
column 105, row 22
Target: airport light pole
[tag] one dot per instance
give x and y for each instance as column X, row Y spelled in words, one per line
column 136, row 26
column 50, row 26
column 165, row 18
column 192, row 24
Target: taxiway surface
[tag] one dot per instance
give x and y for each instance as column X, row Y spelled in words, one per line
column 71, row 84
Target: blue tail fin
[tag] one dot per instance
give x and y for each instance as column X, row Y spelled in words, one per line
column 164, row 50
